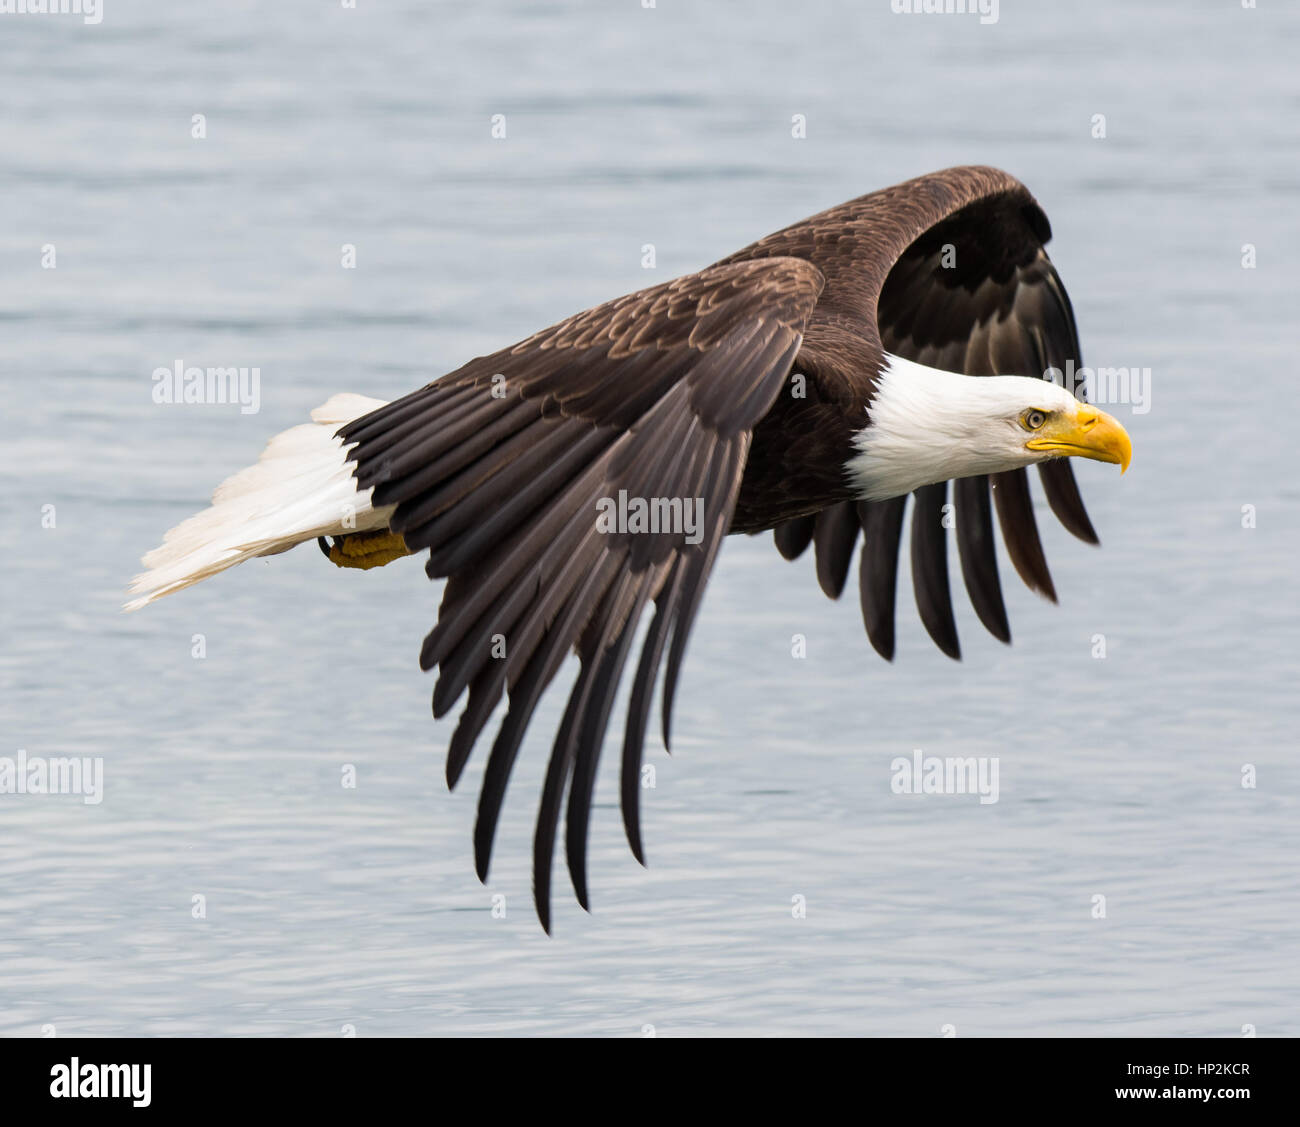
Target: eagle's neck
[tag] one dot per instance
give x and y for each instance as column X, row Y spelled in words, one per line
column 925, row 425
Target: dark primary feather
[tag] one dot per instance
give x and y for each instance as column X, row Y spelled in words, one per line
column 930, row 567
column 882, row 526
column 742, row 385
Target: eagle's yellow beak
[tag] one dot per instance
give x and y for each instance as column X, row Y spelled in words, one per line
column 1089, row 434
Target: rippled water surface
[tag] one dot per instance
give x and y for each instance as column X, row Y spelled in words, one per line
column 327, row 906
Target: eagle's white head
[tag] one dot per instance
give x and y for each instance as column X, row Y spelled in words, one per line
column 927, row 426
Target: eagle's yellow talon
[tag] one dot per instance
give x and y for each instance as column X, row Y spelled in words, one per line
column 365, row 550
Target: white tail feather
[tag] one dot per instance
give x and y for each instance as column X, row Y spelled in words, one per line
column 301, row 488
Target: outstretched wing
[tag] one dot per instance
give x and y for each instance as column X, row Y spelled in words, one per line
column 502, row 470
column 970, row 289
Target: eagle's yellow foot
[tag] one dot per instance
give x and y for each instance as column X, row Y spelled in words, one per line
column 364, row 549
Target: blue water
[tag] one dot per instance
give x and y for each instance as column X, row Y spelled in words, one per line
column 329, row 907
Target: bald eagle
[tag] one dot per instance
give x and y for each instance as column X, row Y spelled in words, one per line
column 806, row 384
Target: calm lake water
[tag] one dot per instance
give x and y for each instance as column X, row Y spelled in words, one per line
column 329, row 907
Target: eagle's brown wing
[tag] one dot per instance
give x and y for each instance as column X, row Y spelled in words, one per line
column 950, row 270
column 499, row 468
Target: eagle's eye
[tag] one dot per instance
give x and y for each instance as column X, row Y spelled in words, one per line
column 1033, row 419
